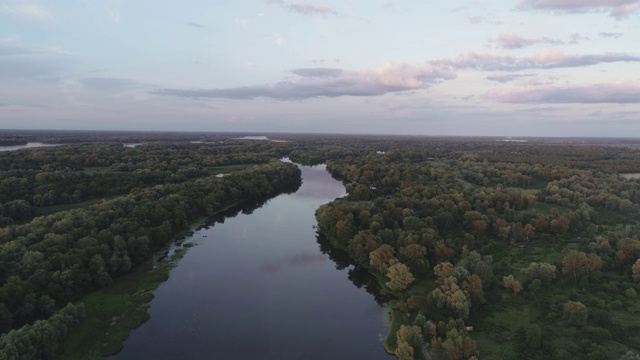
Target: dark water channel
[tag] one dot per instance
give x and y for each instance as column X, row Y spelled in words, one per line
column 258, row 287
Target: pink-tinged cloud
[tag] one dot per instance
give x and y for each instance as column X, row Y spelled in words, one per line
column 328, row 82
column 513, row 41
column 504, row 78
column 309, row 9
column 304, row 8
column 543, row 60
column 614, row 93
column 618, row 9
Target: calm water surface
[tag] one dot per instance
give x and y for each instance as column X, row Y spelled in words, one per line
column 27, row 145
column 258, row 287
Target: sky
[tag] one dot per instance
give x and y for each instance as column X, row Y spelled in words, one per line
column 487, row 68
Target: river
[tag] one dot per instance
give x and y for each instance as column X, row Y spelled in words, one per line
column 25, row 146
column 257, row 287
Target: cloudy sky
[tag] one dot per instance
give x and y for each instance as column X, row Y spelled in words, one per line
column 494, row 67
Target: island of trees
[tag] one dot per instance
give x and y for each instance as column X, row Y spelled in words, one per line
column 480, row 247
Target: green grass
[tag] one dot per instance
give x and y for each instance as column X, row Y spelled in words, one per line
column 112, row 312
column 610, row 217
column 391, row 341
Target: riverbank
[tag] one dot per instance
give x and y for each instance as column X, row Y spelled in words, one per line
column 112, row 312
column 396, row 320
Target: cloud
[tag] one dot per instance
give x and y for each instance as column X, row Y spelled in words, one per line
column 114, row 15
column 610, row 35
column 618, row 9
column 243, row 23
column 504, row 78
column 318, row 72
column 109, row 83
column 543, row 60
column 484, row 20
column 308, row 9
column 194, row 24
column 322, row 82
column 26, row 8
column 613, row 93
column 278, row 39
column 8, row 49
column 23, row 63
column 39, row 69
column 304, row 8
column 514, row 41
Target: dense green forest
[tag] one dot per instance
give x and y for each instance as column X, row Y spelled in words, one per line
column 76, row 217
column 480, row 247
column 495, row 251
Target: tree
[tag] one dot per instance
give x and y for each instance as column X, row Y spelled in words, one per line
column 399, row 277
column 414, row 256
column 511, row 283
column 630, row 355
column 575, row 313
column 628, row 250
column 404, row 351
column 383, row 257
column 449, row 294
column 545, row 272
column 411, row 335
column 635, row 271
column 442, row 251
column 420, row 320
column 578, row 263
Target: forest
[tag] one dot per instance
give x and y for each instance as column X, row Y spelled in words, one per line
column 481, row 248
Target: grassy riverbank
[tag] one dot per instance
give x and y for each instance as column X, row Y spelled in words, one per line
column 112, row 312
column 391, row 341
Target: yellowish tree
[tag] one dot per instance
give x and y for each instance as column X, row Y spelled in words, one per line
column 512, row 283
column 399, row 277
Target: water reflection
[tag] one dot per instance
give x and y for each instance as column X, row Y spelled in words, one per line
column 295, row 260
column 259, row 288
column 360, row 277
column 25, row 146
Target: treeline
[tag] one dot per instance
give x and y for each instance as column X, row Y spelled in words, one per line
column 69, row 174
column 47, row 261
column 40, row 340
column 54, row 259
column 427, row 223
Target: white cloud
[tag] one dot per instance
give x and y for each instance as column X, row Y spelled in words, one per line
column 614, row 93
column 114, row 15
column 26, row 8
column 304, row 8
column 328, row 82
column 243, row 23
column 514, row 41
column 550, row 59
column 278, row 39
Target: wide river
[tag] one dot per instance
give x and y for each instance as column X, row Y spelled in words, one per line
column 257, row 287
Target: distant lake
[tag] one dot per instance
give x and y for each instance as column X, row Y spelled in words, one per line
column 257, row 286
column 28, row 145
column 263, row 138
